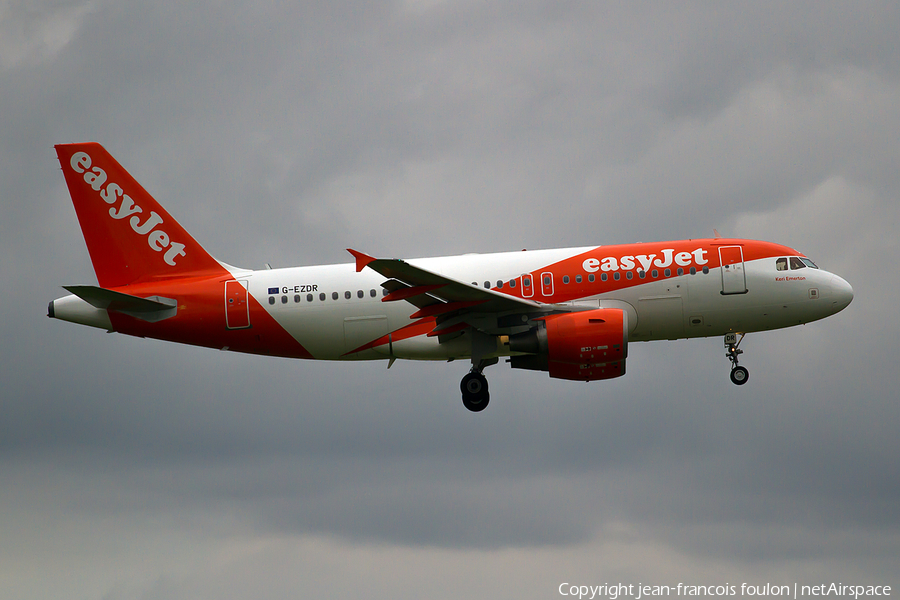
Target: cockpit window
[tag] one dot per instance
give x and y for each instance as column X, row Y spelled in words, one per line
column 796, row 263
column 809, row 263
column 781, row 264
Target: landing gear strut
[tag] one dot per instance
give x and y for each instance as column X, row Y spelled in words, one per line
column 739, row 374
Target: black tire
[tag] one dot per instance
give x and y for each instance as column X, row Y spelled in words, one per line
column 739, row 375
column 475, row 395
column 473, row 384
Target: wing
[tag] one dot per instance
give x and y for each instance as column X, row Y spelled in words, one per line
column 455, row 304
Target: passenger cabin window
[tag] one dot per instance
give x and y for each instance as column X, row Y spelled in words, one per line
column 781, row 264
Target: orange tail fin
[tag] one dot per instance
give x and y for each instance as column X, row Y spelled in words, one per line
column 129, row 236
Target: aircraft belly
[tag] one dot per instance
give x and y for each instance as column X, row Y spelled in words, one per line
column 360, row 331
column 660, row 309
column 708, row 312
column 428, row 348
column 318, row 330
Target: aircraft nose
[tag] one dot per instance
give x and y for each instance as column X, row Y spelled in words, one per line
column 841, row 293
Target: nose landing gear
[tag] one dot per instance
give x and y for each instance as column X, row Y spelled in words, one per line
column 739, row 374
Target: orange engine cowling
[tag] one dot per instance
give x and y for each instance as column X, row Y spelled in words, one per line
column 589, row 345
column 586, row 372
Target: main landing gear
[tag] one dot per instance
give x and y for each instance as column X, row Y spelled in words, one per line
column 474, row 387
column 739, row 374
column 475, row 395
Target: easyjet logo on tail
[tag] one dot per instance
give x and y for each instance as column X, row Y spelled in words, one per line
column 123, row 206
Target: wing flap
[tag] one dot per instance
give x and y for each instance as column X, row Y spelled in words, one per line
column 409, row 292
column 440, row 308
column 425, row 283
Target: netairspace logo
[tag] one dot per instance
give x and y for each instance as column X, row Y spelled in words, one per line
column 613, row 591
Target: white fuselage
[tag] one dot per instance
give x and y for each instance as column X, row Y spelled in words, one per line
column 683, row 306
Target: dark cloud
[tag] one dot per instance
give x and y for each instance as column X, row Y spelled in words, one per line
column 284, row 133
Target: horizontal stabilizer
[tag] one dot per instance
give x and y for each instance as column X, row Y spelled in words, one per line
column 152, row 309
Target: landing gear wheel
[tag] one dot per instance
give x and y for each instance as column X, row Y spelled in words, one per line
column 474, row 388
column 739, row 375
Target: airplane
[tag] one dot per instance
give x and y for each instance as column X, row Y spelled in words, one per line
column 569, row 312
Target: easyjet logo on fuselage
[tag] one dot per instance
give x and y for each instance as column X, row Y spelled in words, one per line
column 665, row 258
column 123, row 206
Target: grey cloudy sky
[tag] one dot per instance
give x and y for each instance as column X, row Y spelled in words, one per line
column 285, row 132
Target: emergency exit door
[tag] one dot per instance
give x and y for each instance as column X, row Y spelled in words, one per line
column 237, row 308
column 547, row 284
column 734, row 280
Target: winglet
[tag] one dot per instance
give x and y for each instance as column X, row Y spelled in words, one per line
column 361, row 259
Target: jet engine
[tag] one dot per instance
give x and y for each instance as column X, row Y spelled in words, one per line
column 582, row 346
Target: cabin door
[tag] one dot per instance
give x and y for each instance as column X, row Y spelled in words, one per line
column 237, row 309
column 734, row 281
